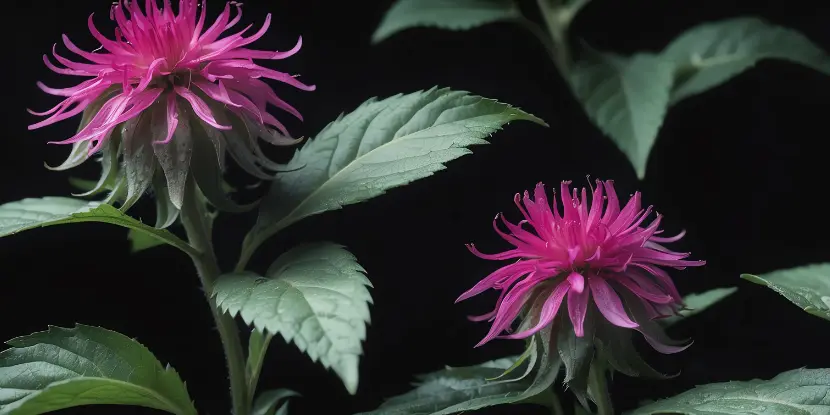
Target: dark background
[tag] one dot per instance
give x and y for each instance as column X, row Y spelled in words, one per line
column 742, row 167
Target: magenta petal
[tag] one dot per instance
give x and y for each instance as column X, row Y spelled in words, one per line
column 609, row 304
column 576, row 281
column 172, row 118
column 549, row 310
column 577, row 309
column 200, row 108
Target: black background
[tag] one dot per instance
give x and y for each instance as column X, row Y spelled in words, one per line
column 742, row 167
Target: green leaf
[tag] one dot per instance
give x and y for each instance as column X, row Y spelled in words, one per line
column 268, row 402
column 800, row 391
column 455, row 390
column 696, row 303
column 64, row 368
column 474, row 387
column 443, row 14
column 807, row 287
column 257, row 348
column 314, row 295
column 381, row 145
column 33, row 213
column 626, row 98
column 140, row 241
column 712, row 53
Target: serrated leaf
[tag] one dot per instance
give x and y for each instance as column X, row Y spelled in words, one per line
column 800, row 391
column 379, row 146
column 64, row 368
column 34, row 213
column 314, row 295
column 444, row 14
column 695, row 303
column 268, row 402
column 627, row 98
column 807, row 287
column 712, row 53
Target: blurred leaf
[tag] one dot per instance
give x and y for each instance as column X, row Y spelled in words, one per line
column 33, row 213
column 314, row 295
column 626, row 98
column 456, row 390
column 696, row 303
column 64, row 368
column 712, row 53
column 807, row 287
column 379, row 146
column 470, row 388
column 800, row 391
column 268, row 402
column 443, row 14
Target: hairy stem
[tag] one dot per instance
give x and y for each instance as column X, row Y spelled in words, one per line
column 196, row 221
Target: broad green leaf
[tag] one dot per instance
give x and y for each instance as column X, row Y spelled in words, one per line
column 712, row 53
column 314, row 295
column 444, row 14
column 140, row 241
column 381, row 145
column 800, row 391
column 807, row 287
column 64, row 368
column 33, row 213
column 626, row 98
column 696, row 303
column 268, row 402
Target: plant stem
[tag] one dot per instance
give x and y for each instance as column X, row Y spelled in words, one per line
column 197, row 226
column 558, row 16
column 598, row 388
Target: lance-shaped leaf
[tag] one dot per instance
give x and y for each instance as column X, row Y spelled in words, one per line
column 381, row 145
column 314, row 295
column 33, row 213
column 800, row 391
column 712, row 53
column 456, row 389
column 268, row 402
column 444, row 14
column 64, row 368
column 695, row 303
column 807, row 287
column 626, row 98
column 463, row 389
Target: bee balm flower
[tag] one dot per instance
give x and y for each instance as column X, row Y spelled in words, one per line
column 580, row 261
column 168, row 87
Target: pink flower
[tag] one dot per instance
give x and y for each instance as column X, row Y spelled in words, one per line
column 171, row 76
column 581, row 254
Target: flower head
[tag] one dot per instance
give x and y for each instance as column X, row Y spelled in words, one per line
column 165, row 86
column 598, row 257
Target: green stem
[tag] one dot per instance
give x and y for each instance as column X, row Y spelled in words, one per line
column 196, row 221
column 558, row 17
column 598, row 388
